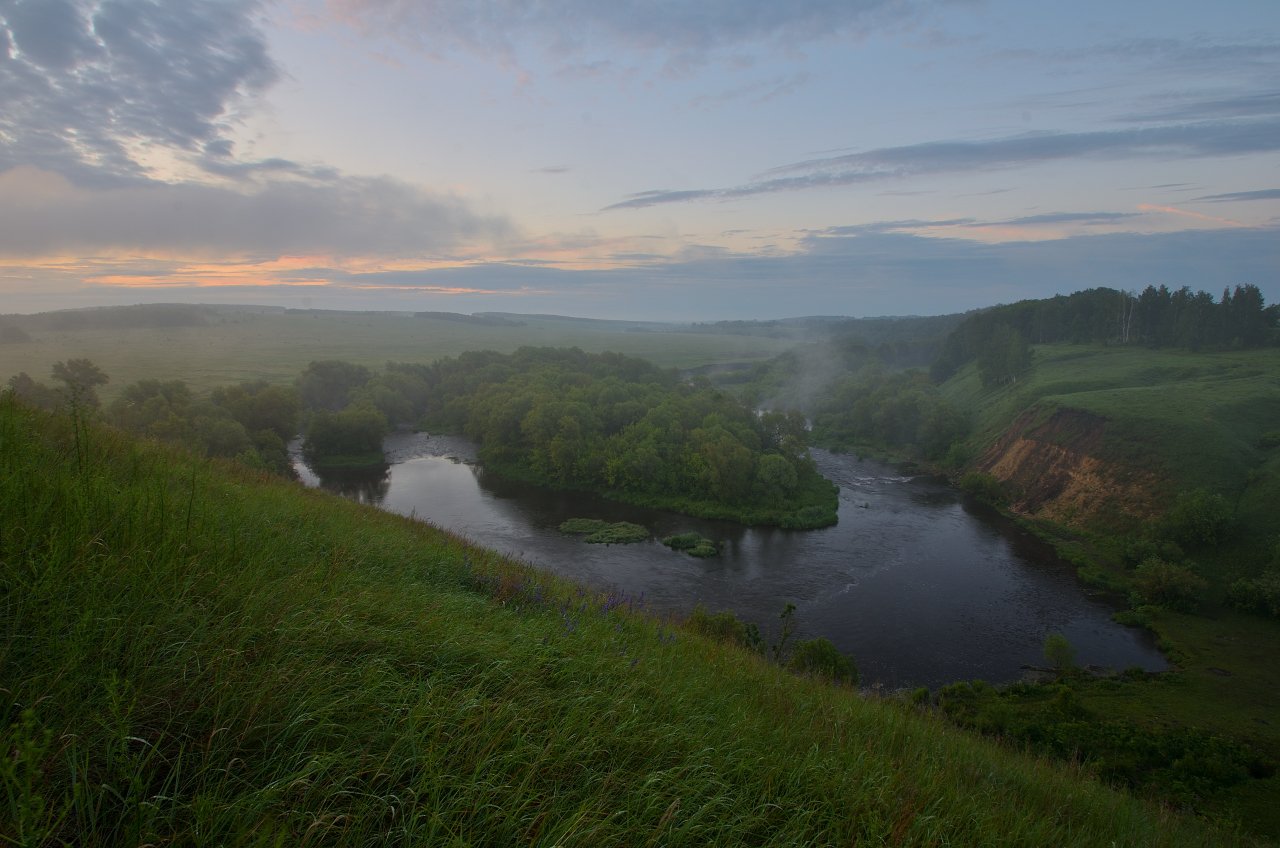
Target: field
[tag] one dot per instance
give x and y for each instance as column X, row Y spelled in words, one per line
column 193, row 653
column 275, row 345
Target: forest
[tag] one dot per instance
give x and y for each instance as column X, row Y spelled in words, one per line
column 558, row 417
column 999, row 337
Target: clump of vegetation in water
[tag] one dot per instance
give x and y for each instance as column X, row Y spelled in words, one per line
column 693, row 544
column 598, row 532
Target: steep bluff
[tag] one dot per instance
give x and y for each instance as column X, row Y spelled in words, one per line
column 1053, row 462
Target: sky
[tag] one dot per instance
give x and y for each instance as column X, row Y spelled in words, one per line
column 638, row 159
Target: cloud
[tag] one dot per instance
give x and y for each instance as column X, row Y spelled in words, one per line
column 1208, row 138
column 683, row 33
column 1070, row 218
column 875, row 269
column 96, row 93
column 46, row 214
column 90, row 86
column 1262, row 105
column 1261, row 194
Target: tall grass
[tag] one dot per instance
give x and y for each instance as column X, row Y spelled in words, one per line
column 194, row 654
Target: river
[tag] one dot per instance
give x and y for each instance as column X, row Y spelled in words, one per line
column 919, row 585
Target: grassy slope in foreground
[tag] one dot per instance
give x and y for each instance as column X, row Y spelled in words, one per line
column 194, row 654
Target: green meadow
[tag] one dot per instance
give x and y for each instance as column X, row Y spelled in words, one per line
column 239, row 344
column 193, row 653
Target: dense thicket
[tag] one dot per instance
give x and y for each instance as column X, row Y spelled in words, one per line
column 1158, row 317
column 901, row 411
column 252, row 422
column 612, row 423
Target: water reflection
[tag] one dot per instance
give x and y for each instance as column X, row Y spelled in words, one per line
column 920, row 586
column 363, row 484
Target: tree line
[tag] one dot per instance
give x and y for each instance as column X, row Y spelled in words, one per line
column 557, row 417
column 252, row 422
column 1157, row 317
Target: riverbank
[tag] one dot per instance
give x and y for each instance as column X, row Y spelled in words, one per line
column 367, row 678
column 903, row 545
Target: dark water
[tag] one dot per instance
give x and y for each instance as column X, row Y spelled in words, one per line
column 918, row 585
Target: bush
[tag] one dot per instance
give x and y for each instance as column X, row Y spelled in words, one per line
column 984, row 486
column 1059, row 653
column 597, row 532
column 1198, row 519
column 582, row 526
column 692, row 544
column 724, row 626
column 820, row 658
column 1260, row 595
column 1165, row 584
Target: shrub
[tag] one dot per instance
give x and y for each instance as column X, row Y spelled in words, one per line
column 820, row 658
column 692, row 544
column 1165, row 584
column 1198, row 519
column 1059, row 653
column 1260, row 595
column 984, row 486
column 725, row 627
column 582, row 526
column 597, row 532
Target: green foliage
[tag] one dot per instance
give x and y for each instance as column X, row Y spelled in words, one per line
column 900, row 411
column 1003, row 357
column 1198, row 519
column 81, row 379
column 623, row 426
column 1059, row 652
column 984, row 486
column 597, row 532
column 820, row 658
column 210, row 657
column 1183, row 764
column 582, row 526
column 694, row 544
column 33, row 392
column 726, row 627
column 1165, row 584
column 1156, row 318
column 260, row 406
column 329, row 385
column 353, row 434
column 1260, row 594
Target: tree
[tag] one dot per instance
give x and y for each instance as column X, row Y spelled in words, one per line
column 32, row 392
column 353, row 432
column 81, row 378
column 1198, row 519
column 260, row 406
column 1003, row 357
column 328, row 385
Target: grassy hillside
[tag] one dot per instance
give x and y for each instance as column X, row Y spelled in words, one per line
column 192, row 654
column 1196, row 420
column 223, row 345
column 1132, row 428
